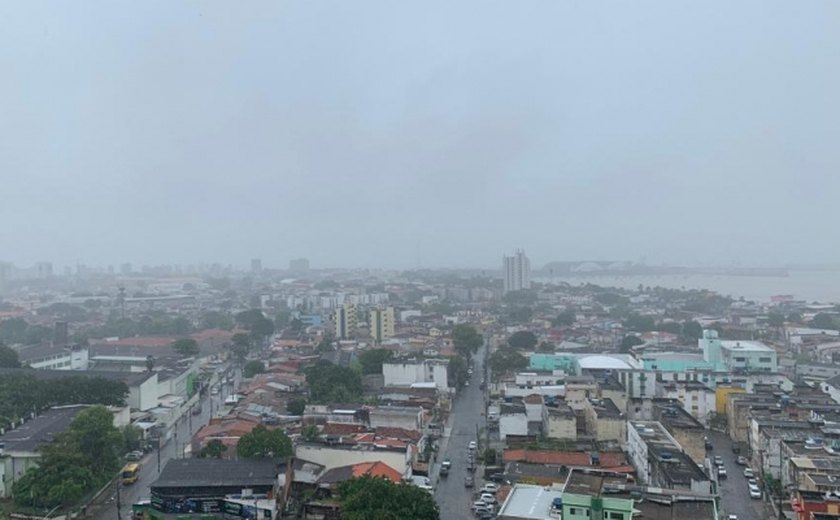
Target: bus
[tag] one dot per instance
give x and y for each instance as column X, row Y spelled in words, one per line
column 130, row 473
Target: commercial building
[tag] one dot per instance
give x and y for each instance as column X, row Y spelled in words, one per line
column 414, row 372
column 530, row 502
column 737, row 356
column 516, row 270
column 382, row 323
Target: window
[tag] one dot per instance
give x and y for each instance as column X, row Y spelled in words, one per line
column 764, row 360
column 740, row 359
column 616, row 516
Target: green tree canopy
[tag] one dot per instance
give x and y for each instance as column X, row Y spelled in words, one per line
column 8, row 357
column 296, row 406
column 628, row 342
column 253, row 368
column 522, row 340
column 564, row 319
column 217, row 320
column 457, row 371
column 506, row 359
column 466, row 339
column 775, row 319
column 692, row 330
column 824, row 321
column 639, row 323
column 264, row 443
column 371, row 360
column 185, row 347
column 330, row 383
column 377, row 498
column 214, row 449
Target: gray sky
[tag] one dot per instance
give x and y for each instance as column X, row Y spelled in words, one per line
column 362, row 133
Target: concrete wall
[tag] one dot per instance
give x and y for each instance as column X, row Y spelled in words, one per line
column 560, row 427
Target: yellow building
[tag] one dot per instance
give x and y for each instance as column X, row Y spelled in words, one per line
column 345, row 321
column 382, row 323
column 721, row 395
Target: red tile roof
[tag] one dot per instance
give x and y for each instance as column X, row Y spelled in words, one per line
column 398, row 433
column 566, row 458
column 377, row 469
column 342, row 429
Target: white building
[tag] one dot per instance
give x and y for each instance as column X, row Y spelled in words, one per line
column 696, row 398
column 407, row 373
column 516, row 271
column 47, row 357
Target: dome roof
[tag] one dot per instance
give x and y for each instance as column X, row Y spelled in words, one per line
column 604, row 362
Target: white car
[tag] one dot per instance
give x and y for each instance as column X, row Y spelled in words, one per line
column 748, row 473
column 732, row 517
column 487, row 498
column 490, row 488
column 473, row 445
column 755, row 492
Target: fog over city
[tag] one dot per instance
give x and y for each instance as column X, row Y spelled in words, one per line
column 434, row 134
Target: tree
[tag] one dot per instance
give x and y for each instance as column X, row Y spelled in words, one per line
column 823, row 321
column 506, row 359
column 489, row 456
column 253, row 368
column 775, row 319
column 131, row 437
column 93, row 434
column 309, row 433
column 296, row 406
column 214, row 449
column 217, row 320
column 282, row 318
column 326, row 344
column 794, row 317
column 466, row 340
column 8, row 357
column 185, row 347
column 377, row 498
column 639, row 323
column 692, row 330
column 566, row 318
column 330, row 383
column 522, row 340
column 628, row 342
column 457, row 371
column 248, row 319
column 262, row 443
column 371, row 360
column 546, row 346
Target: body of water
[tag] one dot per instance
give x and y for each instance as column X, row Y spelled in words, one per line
column 821, row 286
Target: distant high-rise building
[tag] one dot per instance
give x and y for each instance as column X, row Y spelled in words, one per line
column 43, row 270
column 256, row 265
column 299, row 265
column 516, row 271
column 345, row 321
column 382, row 323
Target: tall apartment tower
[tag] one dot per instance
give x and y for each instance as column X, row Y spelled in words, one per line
column 256, row 265
column 516, row 271
column 345, row 321
column 382, row 323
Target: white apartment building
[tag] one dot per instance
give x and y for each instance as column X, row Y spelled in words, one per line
column 516, row 270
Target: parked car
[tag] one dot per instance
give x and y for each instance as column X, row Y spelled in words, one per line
column 479, row 505
column 497, row 477
column 755, row 492
column 732, row 517
column 752, row 482
column 487, row 498
column 473, row 445
column 468, row 481
column 490, row 488
column 721, row 472
column 748, row 473
column 134, row 456
column 718, row 460
column 742, row 460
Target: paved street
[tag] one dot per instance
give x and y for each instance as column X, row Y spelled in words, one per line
column 735, row 497
column 188, row 425
column 467, row 415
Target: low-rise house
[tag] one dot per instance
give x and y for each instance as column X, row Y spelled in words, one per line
column 604, row 421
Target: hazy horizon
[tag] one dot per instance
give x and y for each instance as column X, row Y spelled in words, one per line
column 379, row 134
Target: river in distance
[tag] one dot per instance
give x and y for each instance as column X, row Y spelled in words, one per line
column 812, row 286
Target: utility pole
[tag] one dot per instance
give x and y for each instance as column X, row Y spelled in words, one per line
column 119, row 503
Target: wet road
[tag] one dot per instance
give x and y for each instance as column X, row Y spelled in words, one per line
column 466, row 419
column 174, row 448
column 735, row 496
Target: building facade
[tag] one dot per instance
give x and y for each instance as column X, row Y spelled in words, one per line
column 516, row 270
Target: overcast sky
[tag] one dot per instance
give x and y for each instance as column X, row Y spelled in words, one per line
column 361, row 133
